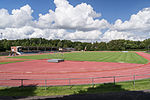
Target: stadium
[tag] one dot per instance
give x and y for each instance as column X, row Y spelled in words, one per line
column 75, row 49
column 78, row 68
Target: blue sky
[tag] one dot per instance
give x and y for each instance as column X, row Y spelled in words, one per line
column 111, row 10
column 102, row 20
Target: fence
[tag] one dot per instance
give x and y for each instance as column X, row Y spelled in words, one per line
column 71, row 81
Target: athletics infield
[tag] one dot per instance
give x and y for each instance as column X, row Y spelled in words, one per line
column 35, row 72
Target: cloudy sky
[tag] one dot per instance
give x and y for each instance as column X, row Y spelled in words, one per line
column 82, row 20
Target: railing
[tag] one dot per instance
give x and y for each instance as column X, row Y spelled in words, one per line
column 71, row 81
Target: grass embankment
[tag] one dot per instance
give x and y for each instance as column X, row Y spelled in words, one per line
column 120, row 57
column 71, row 90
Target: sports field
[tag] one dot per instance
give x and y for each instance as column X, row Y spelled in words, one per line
column 119, row 57
column 78, row 68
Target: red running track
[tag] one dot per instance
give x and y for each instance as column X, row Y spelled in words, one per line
column 41, row 69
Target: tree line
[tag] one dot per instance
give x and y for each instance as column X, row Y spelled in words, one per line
column 113, row 45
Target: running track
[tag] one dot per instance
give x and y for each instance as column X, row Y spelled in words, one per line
column 41, row 69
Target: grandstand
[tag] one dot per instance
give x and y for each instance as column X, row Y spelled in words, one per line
column 31, row 49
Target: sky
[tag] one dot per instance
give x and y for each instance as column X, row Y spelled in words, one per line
column 82, row 20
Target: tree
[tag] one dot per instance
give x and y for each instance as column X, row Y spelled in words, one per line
column 111, row 45
column 1, row 46
column 59, row 45
column 102, row 46
column 65, row 46
column 116, row 45
column 78, row 47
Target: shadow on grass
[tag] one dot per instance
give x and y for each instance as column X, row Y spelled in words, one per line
column 114, row 92
column 107, row 91
column 102, row 88
column 14, row 93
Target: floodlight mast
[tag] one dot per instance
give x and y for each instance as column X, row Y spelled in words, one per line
column 148, row 48
column 2, row 36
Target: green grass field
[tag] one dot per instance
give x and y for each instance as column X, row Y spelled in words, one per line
column 10, row 62
column 119, row 57
column 71, row 90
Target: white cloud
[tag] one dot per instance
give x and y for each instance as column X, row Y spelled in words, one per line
column 45, row 21
column 114, row 35
column 80, row 35
column 19, row 17
column 17, row 33
column 137, row 28
column 81, row 19
column 22, row 16
column 78, row 22
column 49, row 33
column 139, row 22
column 5, row 19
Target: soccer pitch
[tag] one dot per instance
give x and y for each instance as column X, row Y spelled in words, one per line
column 119, row 57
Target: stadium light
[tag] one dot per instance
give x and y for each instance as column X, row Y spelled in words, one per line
column 2, row 36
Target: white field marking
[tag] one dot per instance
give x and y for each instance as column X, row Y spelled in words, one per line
column 28, row 72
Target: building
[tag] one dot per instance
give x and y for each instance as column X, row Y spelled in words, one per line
column 28, row 49
column 15, row 48
column 66, row 49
